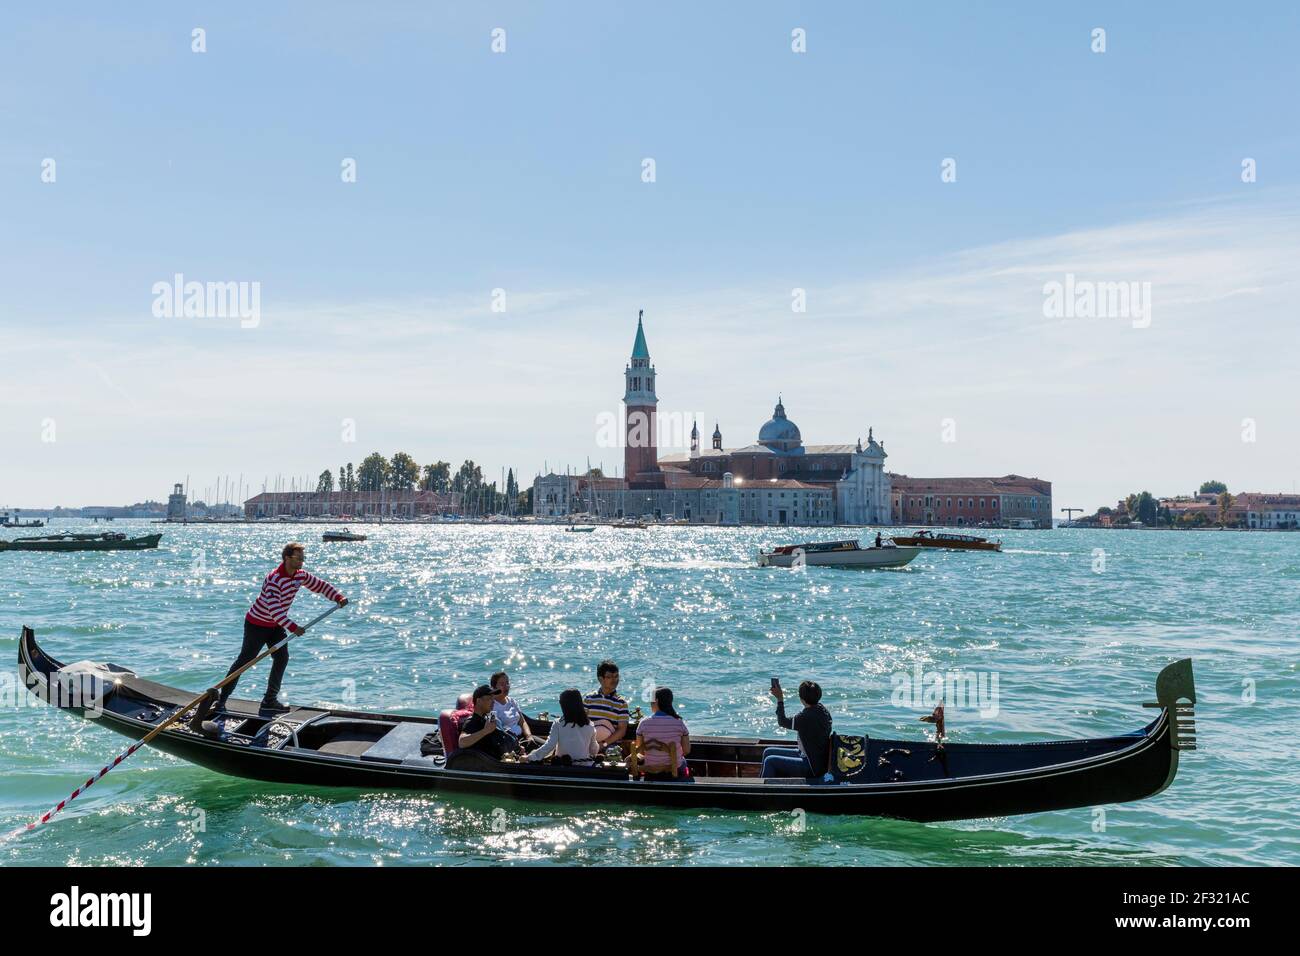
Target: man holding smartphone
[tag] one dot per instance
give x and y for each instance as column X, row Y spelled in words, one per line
column 482, row 732
column 812, row 724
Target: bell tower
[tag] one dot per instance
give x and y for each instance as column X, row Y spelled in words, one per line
column 640, row 453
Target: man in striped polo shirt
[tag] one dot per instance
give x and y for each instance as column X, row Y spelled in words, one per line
column 607, row 710
column 267, row 619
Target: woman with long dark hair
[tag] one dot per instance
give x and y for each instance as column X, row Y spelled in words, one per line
column 573, row 735
column 664, row 726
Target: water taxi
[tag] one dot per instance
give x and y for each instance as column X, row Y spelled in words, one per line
column 836, row 554
column 948, row 541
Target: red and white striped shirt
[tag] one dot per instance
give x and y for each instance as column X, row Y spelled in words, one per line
column 271, row 609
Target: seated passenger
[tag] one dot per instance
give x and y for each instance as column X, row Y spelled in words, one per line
column 451, row 721
column 813, row 725
column 509, row 717
column 608, row 711
column 573, row 735
column 663, row 727
column 481, row 731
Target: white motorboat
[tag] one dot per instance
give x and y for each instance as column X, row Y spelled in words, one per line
column 836, row 554
column 343, row 534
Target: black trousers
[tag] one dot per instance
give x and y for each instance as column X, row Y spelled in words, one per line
column 257, row 637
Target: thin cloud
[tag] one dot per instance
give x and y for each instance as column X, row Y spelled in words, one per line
column 1090, row 403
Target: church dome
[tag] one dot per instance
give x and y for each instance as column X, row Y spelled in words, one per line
column 780, row 432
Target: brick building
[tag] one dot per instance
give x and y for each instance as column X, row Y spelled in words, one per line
column 351, row 504
column 1009, row 501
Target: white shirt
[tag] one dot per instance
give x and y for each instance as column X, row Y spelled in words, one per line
column 577, row 743
column 509, row 716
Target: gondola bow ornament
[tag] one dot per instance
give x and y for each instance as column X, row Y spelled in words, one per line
column 936, row 717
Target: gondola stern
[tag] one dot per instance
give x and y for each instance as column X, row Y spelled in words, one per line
column 34, row 666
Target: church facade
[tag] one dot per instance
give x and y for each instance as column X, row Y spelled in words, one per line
column 853, row 474
column 775, row 480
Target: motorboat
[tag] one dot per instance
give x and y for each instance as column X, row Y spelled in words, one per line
column 948, row 541
column 70, row 541
column 836, row 554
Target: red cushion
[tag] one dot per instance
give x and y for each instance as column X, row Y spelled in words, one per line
column 449, row 724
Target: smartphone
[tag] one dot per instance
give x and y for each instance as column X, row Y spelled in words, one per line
column 776, row 683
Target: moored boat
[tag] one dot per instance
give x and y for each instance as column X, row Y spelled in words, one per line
column 906, row 779
column 836, row 554
column 70, row 541
column 343, row 534
column 948, row 541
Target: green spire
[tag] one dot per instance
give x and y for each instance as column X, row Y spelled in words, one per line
column 639, row 350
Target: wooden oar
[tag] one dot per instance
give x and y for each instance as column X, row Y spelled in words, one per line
column 181, row 712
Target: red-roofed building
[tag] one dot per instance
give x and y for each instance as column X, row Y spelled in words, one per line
column 1009, row 501
column 351, row 504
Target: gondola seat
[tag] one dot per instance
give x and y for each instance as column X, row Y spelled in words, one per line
column 449, row 724
column 636, row 760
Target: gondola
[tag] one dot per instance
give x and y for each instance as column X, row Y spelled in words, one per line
column 911, row 780
column 70, row 541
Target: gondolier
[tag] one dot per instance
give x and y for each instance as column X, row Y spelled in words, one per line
column 267, row 619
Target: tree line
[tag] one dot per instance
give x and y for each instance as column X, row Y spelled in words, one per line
column 1144, row 507
column 401, row 472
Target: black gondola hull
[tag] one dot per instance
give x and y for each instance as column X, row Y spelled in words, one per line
column 1060, row 774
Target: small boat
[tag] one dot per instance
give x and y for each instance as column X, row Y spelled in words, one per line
column 70, row 541
column 836, row 554
column 10, row 519
column 630, row 523
column 904, row 779
column 343, row 534
column 580, row 529
column 948, row 541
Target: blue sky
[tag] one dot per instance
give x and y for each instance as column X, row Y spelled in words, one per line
column 522, row 171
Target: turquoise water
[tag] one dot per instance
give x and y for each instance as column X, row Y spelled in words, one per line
column 1074, row 648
